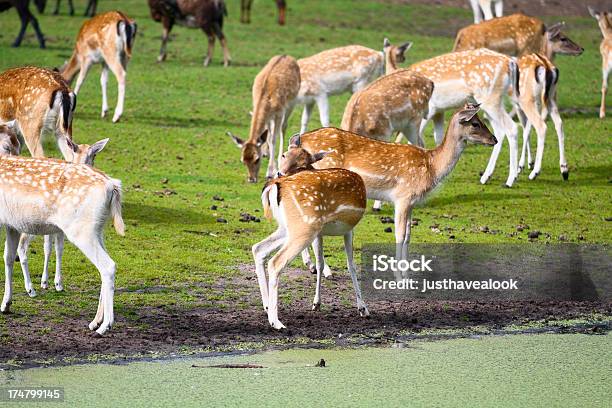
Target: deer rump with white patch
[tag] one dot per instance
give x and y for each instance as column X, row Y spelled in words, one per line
column 308, row 205
column 47, row 196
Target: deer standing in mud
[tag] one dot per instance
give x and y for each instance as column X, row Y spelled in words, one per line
column 47, row 196
column 486, row 9
column 26, row 16
column 481, row 75
column 274, row 94
column 604, row 19
column 245, row 11
column 336, row 71
column 307, row 204
column 107, row 39
column 537, row 98
column 207, row 15
column 517, row 35
column 399, row 173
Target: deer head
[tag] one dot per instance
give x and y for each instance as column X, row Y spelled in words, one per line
column 9, row 142
column 297, row 159
column 469, row 127
column 393, row 54
column 251, row 153
column 559, row 43
column 84, row 153
column 604, row 19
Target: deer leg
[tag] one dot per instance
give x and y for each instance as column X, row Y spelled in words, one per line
column 290, row 249
column 486, row 9
column 556, row 118
column 317, row 245
column 103, row 83
column 56, row 11
column 120, row 73
column 85, row 66
column 403, row 212
column 211, row 48
column 502, row 126
column 306, row 117
column 438, row 120
column 260, row 251
column 10, row 252
column 534, row 118
column 604, row 87
column 323, row 106
column 412, row 134
column 22, row 251
column 167, row 24
column 348, row 248
column 47, row 248
column 39, row 34
column 476, row 10
column 32, row 134
column 24, row 17
column 59, row 252
column 271, row 173
column 499, row 8
column 71, row 7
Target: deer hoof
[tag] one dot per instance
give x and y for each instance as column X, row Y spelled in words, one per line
column 565, row 175
column 277, row 325
column 59, row 287
column 5, row 308
column 32, row 293
column 364, row 312
column 44, row 285
column 312, row 269
column 316, row 307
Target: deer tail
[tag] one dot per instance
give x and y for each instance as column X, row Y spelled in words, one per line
column 270, row 200
column 515, row 76
column 64, row 103
column 115, row 207
column 126, row 30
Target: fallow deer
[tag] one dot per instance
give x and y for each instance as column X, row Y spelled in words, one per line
column 307, row 205
column 245, row 11
column 486, row 9
column 9, row 142
column 107, row 39
column 26, row 16
column 339, row 70
column 481, row 75
column 90, row 11
column 604, row 19
column 205, row 14
column 537, row 98
column 274, row 94
column 517, row 35
column 400, row 173
column 82, row 154
column 48, row 196
column 41, row 102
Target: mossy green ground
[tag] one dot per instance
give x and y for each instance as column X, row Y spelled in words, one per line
column 174, row 126
column 508, row 371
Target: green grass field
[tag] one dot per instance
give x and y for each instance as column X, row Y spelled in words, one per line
column 174, row 127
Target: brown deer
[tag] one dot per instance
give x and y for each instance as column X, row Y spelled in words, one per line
column 107, row 39
column 399, row 173
column 48, row 196
column 204, row 14
column 537, row 98
column 517, row 35
column 41, row 102
column 604, row 19
column 307, row 205
column 481, row 75
column 274, row 94
column 245, row 11
column 26, row 16
column 90, row 11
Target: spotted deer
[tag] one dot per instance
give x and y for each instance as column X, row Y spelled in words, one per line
column 537, row 98
column 517, row 35
column 486, row 9
column 604, row 19
column 307, row 205
column 82, row 154
column 336, row 71
column 47, row 196
column 481, row 75
column 41, row 102
column 274, row 94
column 106, row 39
column 399, row 173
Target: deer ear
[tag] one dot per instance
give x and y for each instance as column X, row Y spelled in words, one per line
column 593, row 12
column 262, row 138
column 555, row 29
column 296, row 140
column 319, row 156
column 386, row 43
column 468, row 112
column 405, row 47
column 73, row 146
column 97, row 147
column 239, row 142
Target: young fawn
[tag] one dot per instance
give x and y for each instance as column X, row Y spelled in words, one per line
column 107, row 39
column 47, row 196
column 307, row 205
column 274, row 95
column 402, row 174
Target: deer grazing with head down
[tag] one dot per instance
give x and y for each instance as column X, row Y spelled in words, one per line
column 481, row 75
column 604, row 19
column 339, row 70
column 245, row 11
column 26, row 16
column 107, row 39
column 517, row 35
column 486, row 9
column 207, row 15
column 399, row 173
column 41, row 196
column 274, row 94
column 41, row 102
column 307, row 204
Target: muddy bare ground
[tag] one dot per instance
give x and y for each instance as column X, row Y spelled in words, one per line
column 154, row 332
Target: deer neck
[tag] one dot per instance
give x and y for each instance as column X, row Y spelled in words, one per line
column 390, row 63
column 547, row 48
column 69, row 70
column 444, row 157
column 258, row 123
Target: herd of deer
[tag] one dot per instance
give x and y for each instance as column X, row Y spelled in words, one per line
column 320, row 185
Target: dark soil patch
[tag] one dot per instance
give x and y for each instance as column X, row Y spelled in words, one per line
column 164, row 330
